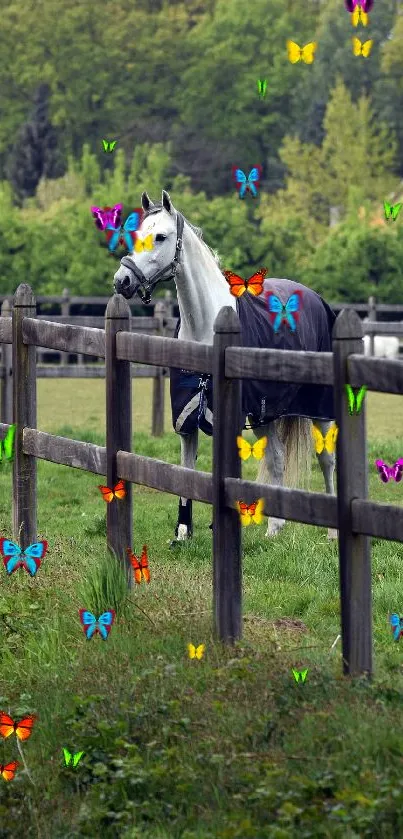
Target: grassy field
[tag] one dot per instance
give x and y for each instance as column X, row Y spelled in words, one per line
column 229, row 747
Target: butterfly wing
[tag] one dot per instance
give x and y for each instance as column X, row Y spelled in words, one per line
column 105, row 623
column 244, row 448
column 275, row 308
column 395, row 623
column 257, row 515
column 24, row 727
column 240, row 180
column 6, row 725
column 308, row 52
column 8, row 441
column 107, row 493
column 366, row 5
column 360, row 398
column 77, row 757
column 388, row 209
column 244, row 512
column 351, row 4
column 294, row 52
column 383, row 470
column 357, row 46
column 295, row 674
column 319, row 439
column 292, row 309
column 200, row 651
column 303, row 675
column 237, row 285
column 135, row 565
column 191, row 650
column 350, row 398
column 105, row 145
column 12, row 555
column 119, row 490
column 366, row 48
column 100, row 218
column 8, row 771
column 395, row 211
column 254, row 178
column 144, row 565
column 114, row 217
column 112, row 237
column 255, row 283
column 112, row 145
column 258, row 448
column 32, row 556
column 398, row 470
column 89, row 623
column 67, row 756
column 330, row 439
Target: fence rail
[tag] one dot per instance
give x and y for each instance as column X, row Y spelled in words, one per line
column 351, row 512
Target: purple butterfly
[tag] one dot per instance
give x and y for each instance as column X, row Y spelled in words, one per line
column 109, row 216
column 386, row 472
column 366, row 5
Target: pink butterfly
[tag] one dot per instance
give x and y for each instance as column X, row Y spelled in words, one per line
column 386, row 472
column 366, row 5
column 108, row 216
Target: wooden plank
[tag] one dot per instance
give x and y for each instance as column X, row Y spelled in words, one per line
column 92, row 371
column 165, row 352
column 66, row 452
column 6, row 328
column 7, row 366
column 384, row 375
column 98, row 322
column 65, row 337
column 279, row 365
column 384, row 521
column 314, row 508
column 227, row 424
column 377, row 328
column 24, row 414
column 166, row 477
column 119, row 528
column 352, row 483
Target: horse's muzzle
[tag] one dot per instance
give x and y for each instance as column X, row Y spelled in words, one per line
column 126, row 286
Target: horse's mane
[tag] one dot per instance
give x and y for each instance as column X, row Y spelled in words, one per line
column 157, row 207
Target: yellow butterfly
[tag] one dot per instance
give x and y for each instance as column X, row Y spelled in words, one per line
column 363, row 49
column 144, row 244
column 196, row 652
column 359, row 15
column 297, row 53
column 251, row 512
column 328, row 442
column 245, row 448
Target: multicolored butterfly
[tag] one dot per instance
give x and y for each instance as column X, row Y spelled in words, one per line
column 387, row 472
column 397, row 626
column 7, row 445
column 245, row 184
column 109, row 146
column 8, row 770
column 124, row 235
column 196, row 652
column 328, row 441
column 251, row 512
column 108, row 494
column 144, row 244
column 238, row 286
column 305, row 54
column 15, row 557
column 353, row 5
column 73, row 759
column 280, row 313
column 140, row 566
column 262, row 87
column 392, row 210
column 362, row 48
column 92, row 625
column 23, row 728
column 356, row 399
column 110, row 217
column 246, row 449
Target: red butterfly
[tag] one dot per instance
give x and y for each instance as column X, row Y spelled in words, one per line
column 140, row 566
column 8, row 770
column 117, row 492
column 23, row 728
column 238, row 286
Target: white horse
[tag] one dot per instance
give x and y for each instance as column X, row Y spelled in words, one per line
column 385, row 346
column 179, row 252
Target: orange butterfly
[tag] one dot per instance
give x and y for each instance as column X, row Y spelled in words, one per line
column 140, row 566
column 238, row 286
column 8, row 770
column 22, row 729
column 117, row 492
column 251, row 512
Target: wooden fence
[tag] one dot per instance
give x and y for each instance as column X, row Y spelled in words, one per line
column 351, row 512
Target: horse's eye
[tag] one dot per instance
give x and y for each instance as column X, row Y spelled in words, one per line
column 160, row 237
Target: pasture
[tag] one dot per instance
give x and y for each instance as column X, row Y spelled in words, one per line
column 229, row 747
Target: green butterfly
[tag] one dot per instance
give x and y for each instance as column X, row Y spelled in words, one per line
column 262, row 86
column 355, row 400
column 74, row 759
column 109, row 146
column 7, row 445
column 392, row 210
column 300, row 674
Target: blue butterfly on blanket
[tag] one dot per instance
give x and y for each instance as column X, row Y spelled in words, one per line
column 280, row 313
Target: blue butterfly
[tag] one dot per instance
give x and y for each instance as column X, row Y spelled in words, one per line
column 15, row 557
column 124, row 233
column 397, row 626
column 280, row 313
column 91, row 625
column 243, row 183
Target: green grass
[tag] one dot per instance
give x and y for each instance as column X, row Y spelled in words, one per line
column 229, row 747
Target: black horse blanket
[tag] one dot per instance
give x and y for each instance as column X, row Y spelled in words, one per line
column 263, row 401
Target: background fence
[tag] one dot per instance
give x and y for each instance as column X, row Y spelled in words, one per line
column 351, row 512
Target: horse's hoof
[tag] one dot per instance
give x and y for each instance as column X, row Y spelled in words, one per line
column 176, row 543
column 332, row 534
column 273, row 528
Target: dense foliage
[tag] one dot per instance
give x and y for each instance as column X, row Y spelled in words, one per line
column 175, row 83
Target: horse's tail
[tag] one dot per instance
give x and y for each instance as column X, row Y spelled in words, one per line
column 296, row 435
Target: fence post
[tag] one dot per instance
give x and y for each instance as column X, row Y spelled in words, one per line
column 227, row 566
column 65, row 307
column 352, row 482
column 159, row 379
column 24, row 415
column 118, row 430
column 371, row 318
column 7, row 380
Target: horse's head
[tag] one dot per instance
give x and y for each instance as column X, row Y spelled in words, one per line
column 140, row 272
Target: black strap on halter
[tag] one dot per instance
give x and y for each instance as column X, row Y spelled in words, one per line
column 168, row 273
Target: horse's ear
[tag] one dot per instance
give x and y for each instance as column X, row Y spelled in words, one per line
column 146, row 202
column 166, row 201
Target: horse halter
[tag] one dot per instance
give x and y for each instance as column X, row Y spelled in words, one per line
column 168, row 273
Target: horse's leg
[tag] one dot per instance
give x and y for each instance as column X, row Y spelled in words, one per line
column 271, row 468
column 327, row 464
column 189, row 446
